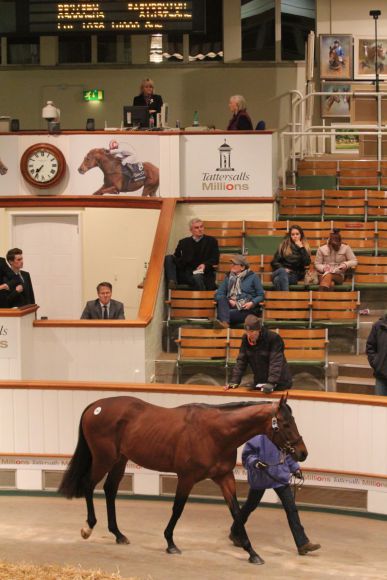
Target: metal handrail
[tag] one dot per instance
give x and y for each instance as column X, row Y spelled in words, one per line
column 300, row 134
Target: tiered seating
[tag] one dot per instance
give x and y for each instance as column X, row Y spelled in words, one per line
column 344, row 204
column 316, row 174
column 332, row 309
column 371, row 272
column 359, row 173
column 191, row 307
column 377, row 205
column 300, row 205
column 359, row 235
column 220, row 348
column 316, row 232
column 291, row 308
column 306, row 347
column 228, row 233
column 264, row 237
column 381, row 238
column 200, row 346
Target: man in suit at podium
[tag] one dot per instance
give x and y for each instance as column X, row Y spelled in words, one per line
column 18, row 281
column 104, row 307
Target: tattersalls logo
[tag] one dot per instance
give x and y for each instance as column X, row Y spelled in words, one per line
column 3, row 333
column 225, row 178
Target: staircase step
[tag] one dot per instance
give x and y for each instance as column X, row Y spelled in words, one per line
column 349, row 380
column 354, row 371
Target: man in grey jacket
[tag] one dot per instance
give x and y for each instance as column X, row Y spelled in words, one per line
column 104, row 307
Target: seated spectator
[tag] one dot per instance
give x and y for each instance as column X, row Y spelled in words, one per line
column 104, row 307
column 291, row 259
column 194, row 260
column 333, row 261
column 268, row 469
column 239, row 294
column 263, row 350
column 240, row 120
column 376, row 350
column 20, row 291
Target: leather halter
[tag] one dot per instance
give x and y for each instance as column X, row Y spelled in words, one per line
column 289, row 446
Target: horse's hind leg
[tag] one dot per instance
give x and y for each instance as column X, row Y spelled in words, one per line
column 110, row 488
column 91, row 520
column 182, row 492
column 227, row 485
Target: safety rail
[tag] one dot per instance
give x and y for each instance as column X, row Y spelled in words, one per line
column 297, row 143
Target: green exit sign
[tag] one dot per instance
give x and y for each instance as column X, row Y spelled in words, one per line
column 93, row 95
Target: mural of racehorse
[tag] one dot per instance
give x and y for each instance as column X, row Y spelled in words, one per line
column 367, row 62
column 115, row 180
column 195, row 441
column 334, row 60
column 3, row 168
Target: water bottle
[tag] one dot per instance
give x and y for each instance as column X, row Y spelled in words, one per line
column 151, row 122
column 196, row 119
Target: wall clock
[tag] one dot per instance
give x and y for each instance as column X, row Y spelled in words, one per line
column 43, row 165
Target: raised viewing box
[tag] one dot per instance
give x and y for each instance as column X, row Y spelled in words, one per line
column 197, row 164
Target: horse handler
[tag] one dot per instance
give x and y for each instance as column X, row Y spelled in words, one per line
column 268, row 468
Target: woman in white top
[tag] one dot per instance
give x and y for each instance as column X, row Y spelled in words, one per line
column 333, row 261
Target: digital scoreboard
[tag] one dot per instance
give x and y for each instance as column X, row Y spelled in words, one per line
column 41, row 17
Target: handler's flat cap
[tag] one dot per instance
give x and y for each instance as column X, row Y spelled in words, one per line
column 239, row 260
column 252, row 322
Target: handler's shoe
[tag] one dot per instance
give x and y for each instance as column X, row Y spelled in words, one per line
column 309, row 547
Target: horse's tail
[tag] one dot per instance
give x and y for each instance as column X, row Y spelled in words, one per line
column 77, row 474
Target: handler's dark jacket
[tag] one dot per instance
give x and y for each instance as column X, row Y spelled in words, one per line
column 266, row 359
column 376, row 348
column 296, row 261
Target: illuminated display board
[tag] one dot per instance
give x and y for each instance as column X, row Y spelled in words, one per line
column 46, row 17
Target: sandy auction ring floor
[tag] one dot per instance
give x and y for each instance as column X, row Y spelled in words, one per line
column 46, row 530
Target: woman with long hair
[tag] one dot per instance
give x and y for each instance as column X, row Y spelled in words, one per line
column 291, row 259
column 333, row 261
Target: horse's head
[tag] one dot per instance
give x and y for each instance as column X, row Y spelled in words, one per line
column 3, row 169
column 91, row 160
column 284, row 432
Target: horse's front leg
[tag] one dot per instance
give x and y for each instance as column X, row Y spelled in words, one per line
column 183, row 490
column 106, row 189
column 110, row 488
column 227, row 485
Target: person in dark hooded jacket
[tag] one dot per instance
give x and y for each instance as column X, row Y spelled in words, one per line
column 376, row 349
column 239, row 294
column 263, row 351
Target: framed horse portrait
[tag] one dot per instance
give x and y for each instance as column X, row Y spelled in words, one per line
column 367, row 56
column 336, row 56
column 337, row 103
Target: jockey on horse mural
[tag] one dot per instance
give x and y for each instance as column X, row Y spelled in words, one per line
column 121, row 169
column 128, row 157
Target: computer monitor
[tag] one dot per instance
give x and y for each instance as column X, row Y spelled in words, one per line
column 136, row 116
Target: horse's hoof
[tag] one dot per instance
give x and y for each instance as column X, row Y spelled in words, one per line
column 122, row 540
column 256, row 560
column 173, row 550
column 86, row 533
column 97, row 193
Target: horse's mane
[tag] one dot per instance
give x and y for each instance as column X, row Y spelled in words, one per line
column 228, row 406
column 234, row 406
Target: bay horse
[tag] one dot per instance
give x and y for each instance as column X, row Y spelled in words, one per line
column 115, row 180
column 3, row 168
column 195, row 441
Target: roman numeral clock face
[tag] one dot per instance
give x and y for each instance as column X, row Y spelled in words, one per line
column 43, row 165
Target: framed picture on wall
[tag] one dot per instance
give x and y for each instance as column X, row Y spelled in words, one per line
column 344, row 139
column 365, row 58
column 336, row 56
column 338, row 102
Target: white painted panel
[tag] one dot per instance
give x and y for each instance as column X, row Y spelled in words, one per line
column 36, row 424
column 65, row 431
column 51, row 419
column 52, row 255
column 378, row 440
column 7, row 434
column 21, row 421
